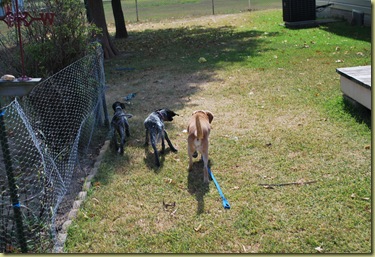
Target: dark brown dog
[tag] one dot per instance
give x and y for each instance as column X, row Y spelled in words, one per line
column 199, row 130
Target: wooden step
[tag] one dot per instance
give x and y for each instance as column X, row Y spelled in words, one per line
column 356, row 83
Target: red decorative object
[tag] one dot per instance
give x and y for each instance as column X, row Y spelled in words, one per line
column 15, row 19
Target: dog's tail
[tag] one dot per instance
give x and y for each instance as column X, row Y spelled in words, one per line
column 199, row 127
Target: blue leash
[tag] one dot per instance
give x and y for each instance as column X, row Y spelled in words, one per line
column 225, row 201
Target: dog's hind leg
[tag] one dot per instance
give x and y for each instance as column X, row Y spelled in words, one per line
column 169, row 142
column 190, row 154
column 127, row 129
column 122, row 142
column 114, row 141
column 147, row 140
column 162, row 136
column 153, row 143
column 205, row 165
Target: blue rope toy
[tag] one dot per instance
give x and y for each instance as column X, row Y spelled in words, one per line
column 225, row 201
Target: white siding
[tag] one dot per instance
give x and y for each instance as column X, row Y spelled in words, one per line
column 348, row 5
column 344, row 8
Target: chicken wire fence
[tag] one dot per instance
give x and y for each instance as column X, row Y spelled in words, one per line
column 47, row 138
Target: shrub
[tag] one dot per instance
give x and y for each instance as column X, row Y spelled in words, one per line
column 49, row 48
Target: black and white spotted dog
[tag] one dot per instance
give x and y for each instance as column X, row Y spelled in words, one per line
column 120, row 125
column 155, row 131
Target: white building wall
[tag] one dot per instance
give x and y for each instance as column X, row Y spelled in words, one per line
column 344, row 9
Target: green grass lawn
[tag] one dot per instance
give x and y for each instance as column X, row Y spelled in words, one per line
column 280, row 117
column 151, row 10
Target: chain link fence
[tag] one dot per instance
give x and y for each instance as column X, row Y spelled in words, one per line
column 156, row 10
column 48, row 141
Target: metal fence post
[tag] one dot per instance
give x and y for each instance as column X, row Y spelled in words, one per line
column 136, row 9
column 12, row 185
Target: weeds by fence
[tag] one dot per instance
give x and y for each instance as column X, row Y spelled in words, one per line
column 46, row 137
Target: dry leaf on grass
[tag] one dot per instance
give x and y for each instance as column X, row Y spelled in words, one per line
column 202, row 60
column 168, row 180
column 85, row 215
column 198, row 228
column 174, row 212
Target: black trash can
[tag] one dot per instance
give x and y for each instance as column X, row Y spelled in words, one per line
column 299, row 10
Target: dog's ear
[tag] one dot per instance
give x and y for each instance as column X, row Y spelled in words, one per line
column 114, row 106
column 122, row 105
column 210, row 116
column 128, row 115
column 170, row 114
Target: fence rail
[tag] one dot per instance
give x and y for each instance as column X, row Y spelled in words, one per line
column 45, row 138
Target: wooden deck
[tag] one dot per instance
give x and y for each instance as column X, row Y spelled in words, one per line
column 356, row 83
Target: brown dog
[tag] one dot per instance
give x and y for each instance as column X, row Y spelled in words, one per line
column 199, row 131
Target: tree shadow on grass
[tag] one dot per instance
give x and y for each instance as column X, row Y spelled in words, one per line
column 182, row 46
column 196, row 186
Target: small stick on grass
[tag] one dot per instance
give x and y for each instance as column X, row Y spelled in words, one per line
column 288, row 184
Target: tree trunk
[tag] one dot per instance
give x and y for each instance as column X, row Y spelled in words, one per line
column 88, row 12
column 96, row 13
column 121, row 31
